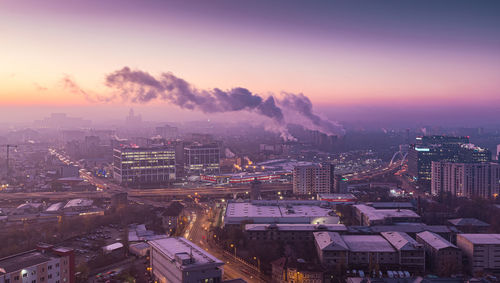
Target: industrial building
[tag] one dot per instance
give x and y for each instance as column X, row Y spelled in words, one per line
column 369, row 216
column 177, row 260
column 284, row 212
column 136, row 166
column 482, row 251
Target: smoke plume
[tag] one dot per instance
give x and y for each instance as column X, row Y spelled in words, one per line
column 302, row 105
column 141, row 87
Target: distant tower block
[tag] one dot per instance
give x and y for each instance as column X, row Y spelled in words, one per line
column 255, row 189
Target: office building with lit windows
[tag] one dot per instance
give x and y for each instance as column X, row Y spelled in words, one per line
column 441, row 148
column 47, row 264
column 137, row 166
column 201, row 159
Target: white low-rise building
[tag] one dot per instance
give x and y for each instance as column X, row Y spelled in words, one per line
column 176, row 260
column 286, row 212
column 369, row 216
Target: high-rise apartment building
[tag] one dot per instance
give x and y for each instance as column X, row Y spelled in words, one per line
column 470, row 180
column 136, row 166
column 441, row 148
column 313, row 179
column 201, row 159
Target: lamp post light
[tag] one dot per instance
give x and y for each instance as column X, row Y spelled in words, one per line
column 258, row 262
column 234, row 246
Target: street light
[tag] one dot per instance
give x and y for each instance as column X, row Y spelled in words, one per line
column 258, row 262
column 234, row 246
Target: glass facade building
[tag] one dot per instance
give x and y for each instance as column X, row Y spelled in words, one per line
column 202, row 159
column 441, row 148
column 144, row 166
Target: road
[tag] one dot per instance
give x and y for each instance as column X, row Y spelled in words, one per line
column 135, row 193
column 361, row 176
column 198, row 234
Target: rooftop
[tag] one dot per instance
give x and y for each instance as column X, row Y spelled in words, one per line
column 402, row 227
column 55, row 207
column 468, row 222
column 381, row 214
column 331, row 241
column 435, row 240
column 367, row 243
column 401, row 241
column 391, row 205
column 113, row 247
column 23, row 260
column 277, row 209
column 338, row 197
column 296, row 227
column 176, row 248
column 139, row 233
column 482, row 239
column 79, row 202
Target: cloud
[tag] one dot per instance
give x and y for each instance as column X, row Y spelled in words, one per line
column 39, row 87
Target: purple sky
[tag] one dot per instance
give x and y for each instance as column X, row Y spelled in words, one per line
column 369, row 58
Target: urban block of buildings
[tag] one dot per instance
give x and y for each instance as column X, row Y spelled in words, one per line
column 373, row 252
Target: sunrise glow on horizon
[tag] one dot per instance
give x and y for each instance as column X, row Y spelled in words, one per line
column 336, row 54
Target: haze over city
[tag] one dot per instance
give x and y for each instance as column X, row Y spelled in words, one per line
column 221, row 141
